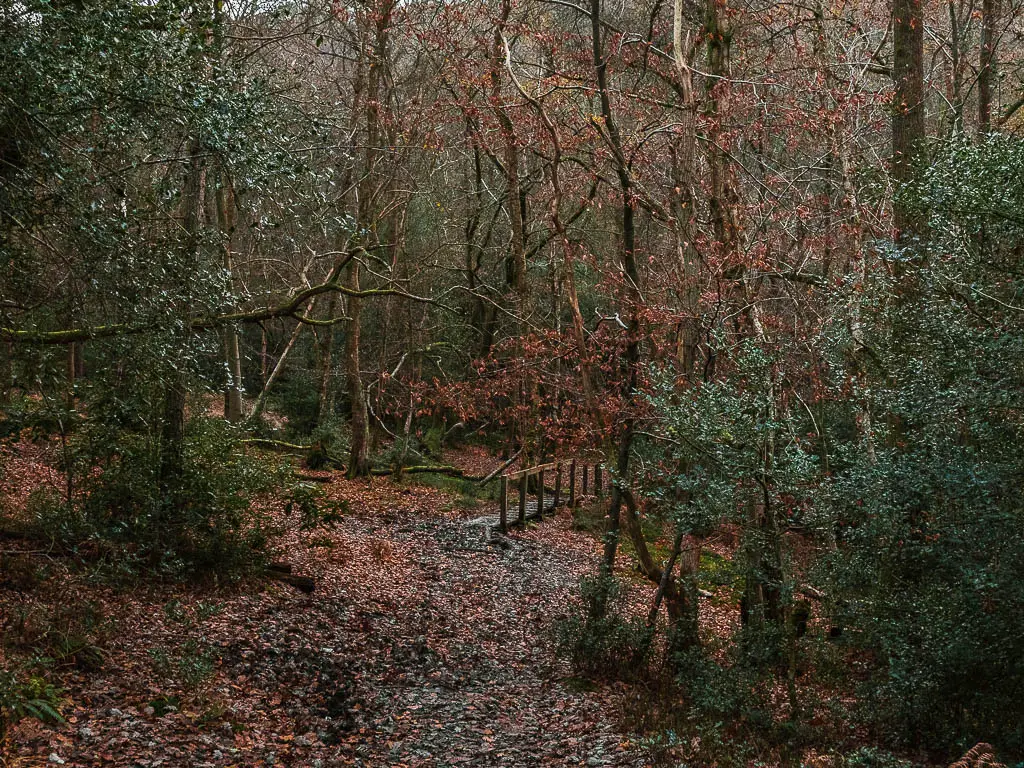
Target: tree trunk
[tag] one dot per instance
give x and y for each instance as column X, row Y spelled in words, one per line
column 172, row 435
column 908, row 111
column 232, row 355
column 682, row 207
column 631, row 298
column 987, row 65
column 516, row 273
column 325, row 348
column 359, row 461
column 371, row 184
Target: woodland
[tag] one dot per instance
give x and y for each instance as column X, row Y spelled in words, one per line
column 293, row 291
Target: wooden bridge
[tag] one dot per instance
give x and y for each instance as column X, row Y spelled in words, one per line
column 579, row 477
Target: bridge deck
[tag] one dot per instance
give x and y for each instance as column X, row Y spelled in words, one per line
column 513, row 514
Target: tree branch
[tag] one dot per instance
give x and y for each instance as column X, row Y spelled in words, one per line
column 290, row 308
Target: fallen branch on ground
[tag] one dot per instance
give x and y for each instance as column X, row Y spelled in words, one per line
column 316, row 455
column 283, row 572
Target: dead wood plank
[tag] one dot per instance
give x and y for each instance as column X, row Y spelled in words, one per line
column 540, row 495
column 558, row 484
column 572, row 484
column 503, row 522
column 523, row 485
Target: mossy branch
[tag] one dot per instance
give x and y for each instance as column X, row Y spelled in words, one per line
column 291, row 308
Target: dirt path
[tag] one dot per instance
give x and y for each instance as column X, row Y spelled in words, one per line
column 422, row 646
column 463, row 641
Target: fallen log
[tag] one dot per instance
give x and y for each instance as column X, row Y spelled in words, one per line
column 316, row 455
column 313, row 478
column 283, row 572
column 276, row 445
column 438, row 469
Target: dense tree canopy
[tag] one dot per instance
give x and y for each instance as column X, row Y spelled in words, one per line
column 765, row 259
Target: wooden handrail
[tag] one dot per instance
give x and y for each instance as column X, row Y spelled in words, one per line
column 530, row 471
column 586, row 460
column 522, row 476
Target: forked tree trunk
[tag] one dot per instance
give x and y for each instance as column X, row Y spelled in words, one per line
column 680, row 595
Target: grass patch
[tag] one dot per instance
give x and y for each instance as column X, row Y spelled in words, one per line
column 589, row 518
column 658, row 544
column 471, row 494
column 717, row 571
column 578, row 684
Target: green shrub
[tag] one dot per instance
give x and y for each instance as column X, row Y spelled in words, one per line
column 208, row 523
column 470, row 492
column 431, row 441
column 188, row 666
column 27, row 696
column 37, row 418
column 296, row 397
column 718, row 692
column 872, row 757
column 590, row 518
column 605, row 643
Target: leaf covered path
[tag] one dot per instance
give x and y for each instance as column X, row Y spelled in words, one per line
column 469, row 675
column 423, row 645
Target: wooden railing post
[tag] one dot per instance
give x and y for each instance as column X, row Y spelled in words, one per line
column 558, row 484
column 504, row 504
column 572, row 484
column 586, row 477
column 523, row 486
column 540, row 495
column 597, row 480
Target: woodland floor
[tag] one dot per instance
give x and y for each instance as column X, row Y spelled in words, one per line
column 421, row 646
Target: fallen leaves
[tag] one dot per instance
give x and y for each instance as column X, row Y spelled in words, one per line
column 421, row 647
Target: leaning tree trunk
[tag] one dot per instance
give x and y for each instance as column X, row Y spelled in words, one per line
column 261, row 401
